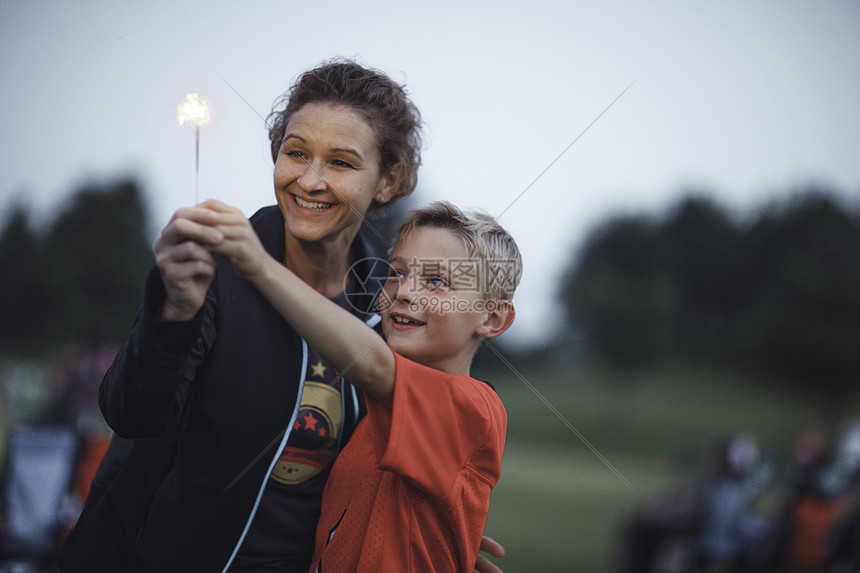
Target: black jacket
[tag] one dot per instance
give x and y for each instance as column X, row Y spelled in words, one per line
column 200, row 408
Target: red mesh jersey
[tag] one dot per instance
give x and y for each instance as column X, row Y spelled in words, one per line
column 411, row 490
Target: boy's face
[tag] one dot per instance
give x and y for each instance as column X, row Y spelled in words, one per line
column 431, row 303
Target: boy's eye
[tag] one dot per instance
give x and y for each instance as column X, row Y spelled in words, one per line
column 395, row 273
column 437, row 282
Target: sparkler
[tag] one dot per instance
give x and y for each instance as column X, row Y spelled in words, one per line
column 196, row 110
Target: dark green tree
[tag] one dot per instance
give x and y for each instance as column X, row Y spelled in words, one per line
column 700, row 247
column 81, row 279
column 620, row 295
column 98, row 253
column 803, row 301
column 779, row 293
column 23, row 290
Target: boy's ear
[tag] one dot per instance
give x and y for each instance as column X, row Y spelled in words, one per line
column 498, row 320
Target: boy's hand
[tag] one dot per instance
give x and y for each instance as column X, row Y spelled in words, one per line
column 484, row 565
column 238, row 242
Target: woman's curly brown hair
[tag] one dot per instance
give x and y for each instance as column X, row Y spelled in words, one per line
column 382, row 102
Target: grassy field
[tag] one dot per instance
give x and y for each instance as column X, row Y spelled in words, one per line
column 585, row 448
column 559, row 504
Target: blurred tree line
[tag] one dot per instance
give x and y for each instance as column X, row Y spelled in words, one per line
column 78, row 278
column 776, row 293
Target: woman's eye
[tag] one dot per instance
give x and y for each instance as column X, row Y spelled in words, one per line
column 294, row 153
column 395, row 273
column 342, row 163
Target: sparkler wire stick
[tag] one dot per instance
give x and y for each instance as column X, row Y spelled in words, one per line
column 197, row 163
column 195, row 109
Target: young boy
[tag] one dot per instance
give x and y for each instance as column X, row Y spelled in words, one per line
column 411, row 490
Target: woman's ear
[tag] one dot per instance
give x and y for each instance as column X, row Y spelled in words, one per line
column 497, row 320
column 389, row 184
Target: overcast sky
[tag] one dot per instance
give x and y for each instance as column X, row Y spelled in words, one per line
column 747, row 100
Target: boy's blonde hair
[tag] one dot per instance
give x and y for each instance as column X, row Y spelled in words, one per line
column 490, row 248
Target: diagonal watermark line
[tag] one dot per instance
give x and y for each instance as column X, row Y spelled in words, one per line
column 283, row 140
column 360, row 354
column 571, row 144
column 250, row 464
column 562, row 418
column 280, row 435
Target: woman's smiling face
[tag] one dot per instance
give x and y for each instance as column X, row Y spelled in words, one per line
column 327, row 172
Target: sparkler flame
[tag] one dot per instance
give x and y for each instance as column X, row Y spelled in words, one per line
column 194, row 109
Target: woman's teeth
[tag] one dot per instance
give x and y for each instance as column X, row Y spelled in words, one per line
column 403, row 320
column 313, row 205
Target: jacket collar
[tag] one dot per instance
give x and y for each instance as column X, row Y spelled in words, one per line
column 368, row 271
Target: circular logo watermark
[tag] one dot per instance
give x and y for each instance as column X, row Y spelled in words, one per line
column 363, row 284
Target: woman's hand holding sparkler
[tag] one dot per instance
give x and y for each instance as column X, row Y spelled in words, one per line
column 184, row 254
column 185, row 261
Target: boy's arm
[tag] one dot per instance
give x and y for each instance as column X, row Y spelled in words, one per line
column 354, row 349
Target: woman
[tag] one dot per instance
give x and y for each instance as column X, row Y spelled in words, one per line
column 229, row 422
